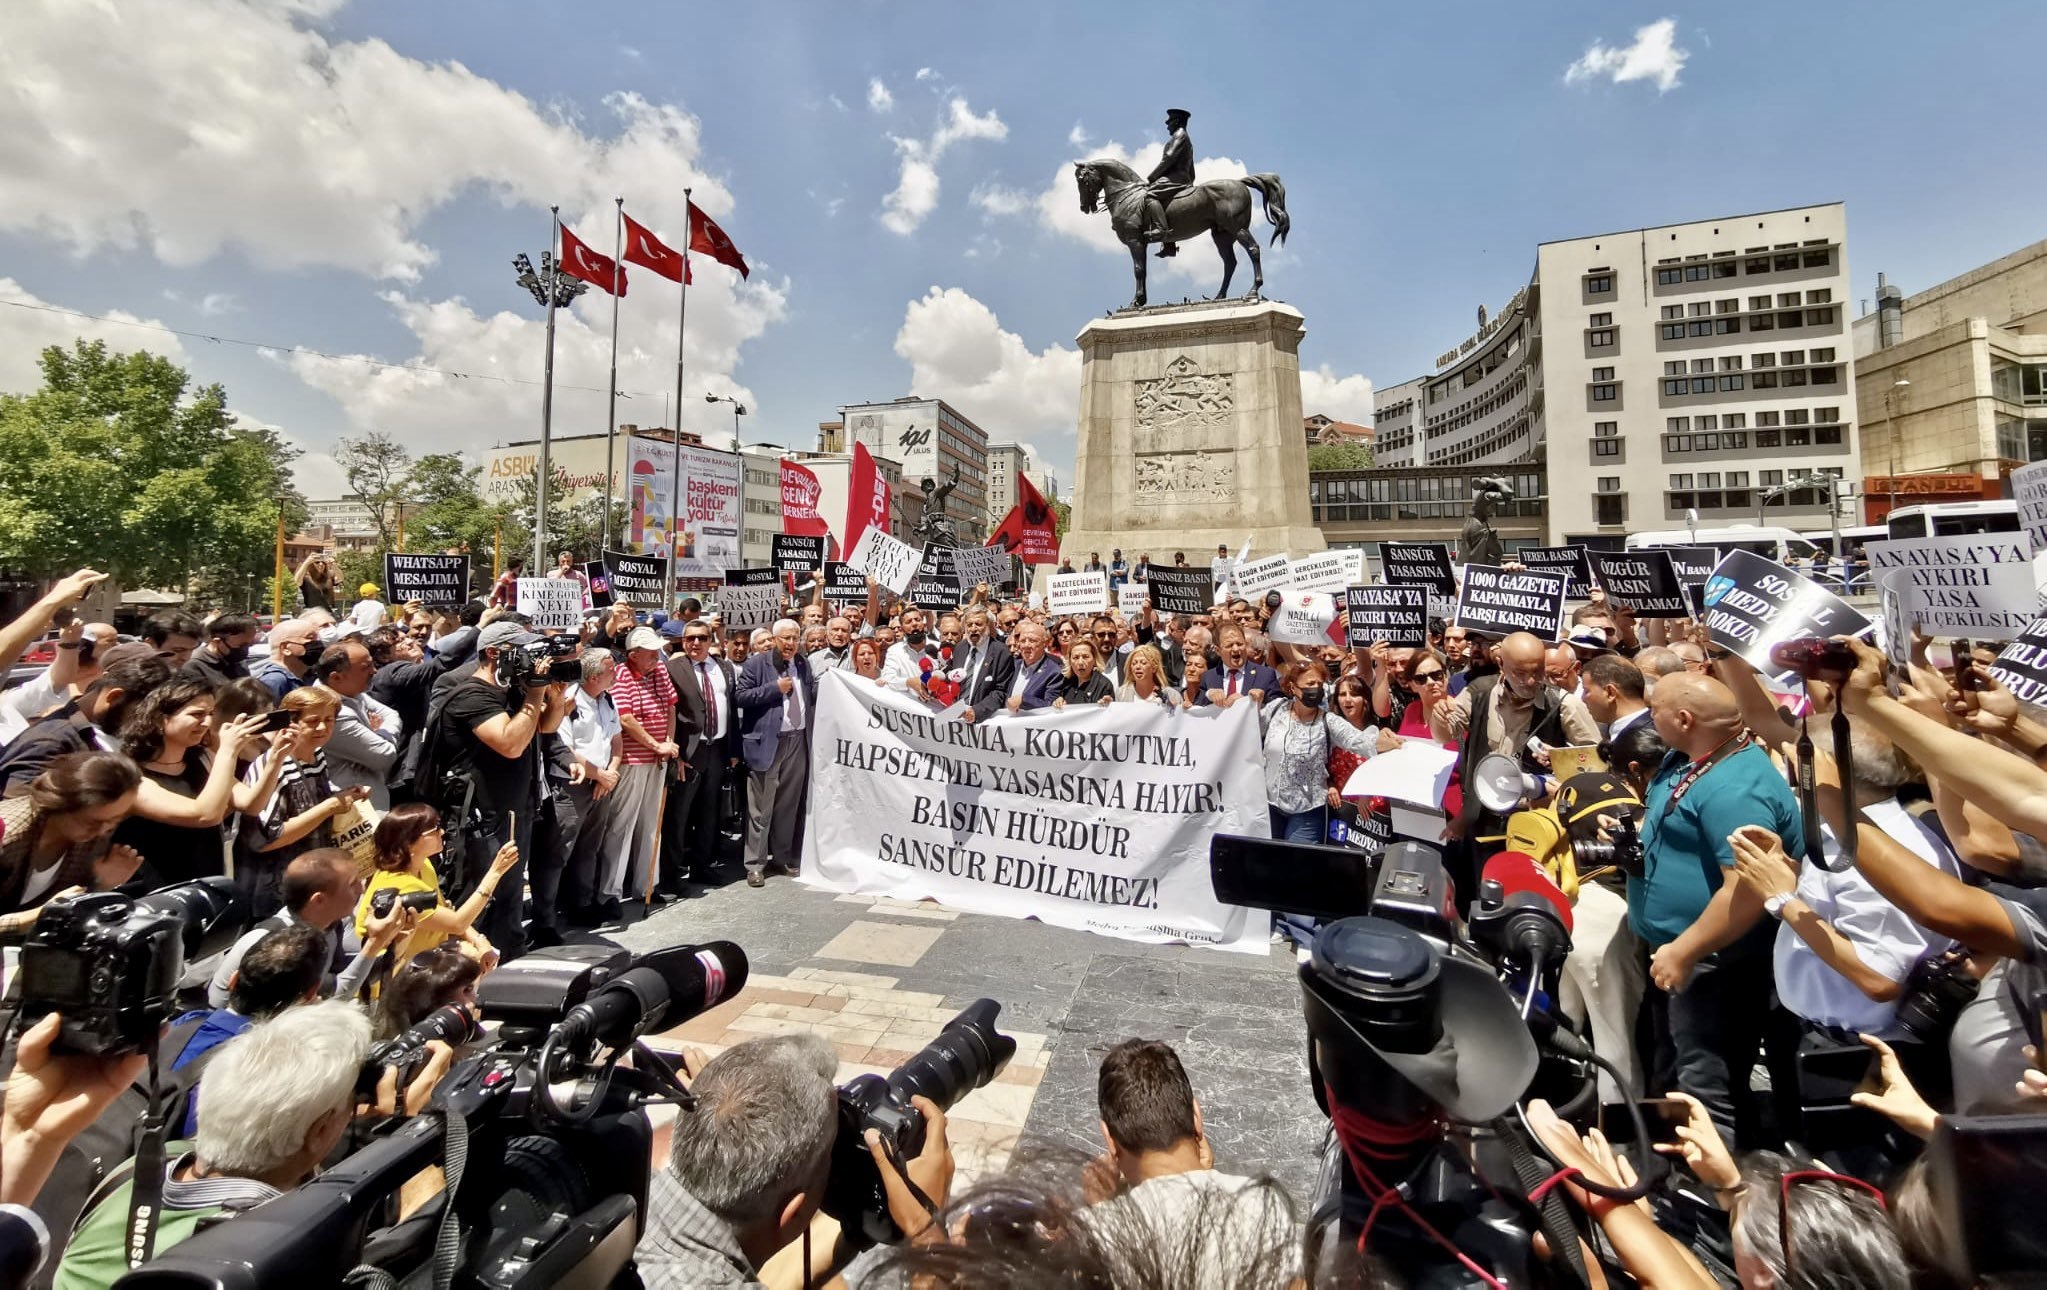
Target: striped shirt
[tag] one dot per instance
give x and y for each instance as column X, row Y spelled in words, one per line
column 650, row 699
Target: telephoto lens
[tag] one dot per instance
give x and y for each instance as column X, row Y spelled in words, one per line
column 452, row 1024
column 967, row 1054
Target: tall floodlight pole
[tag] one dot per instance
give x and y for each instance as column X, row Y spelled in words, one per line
column 552, row 287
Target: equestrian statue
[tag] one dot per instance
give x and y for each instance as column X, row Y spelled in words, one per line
column 1169, row 207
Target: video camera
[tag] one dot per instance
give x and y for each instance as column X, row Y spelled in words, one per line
column 542, row 1137
column 966, row 1055
column 1424, row 1035
column 111, row 963
column 551, row 660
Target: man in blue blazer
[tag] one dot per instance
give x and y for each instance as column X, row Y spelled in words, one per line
column 986, row 666
column 1238, row 677
column 777, row 697
column 1035, row 681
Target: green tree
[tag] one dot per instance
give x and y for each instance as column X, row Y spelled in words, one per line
column 447, row 510
column 1340, row 456
column 377, row 468
column 1063, row 514
column 115, row 462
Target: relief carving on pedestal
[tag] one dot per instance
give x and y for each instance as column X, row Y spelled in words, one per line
column 1183, row 436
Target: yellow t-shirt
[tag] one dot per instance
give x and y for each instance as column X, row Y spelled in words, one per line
column 404, row 884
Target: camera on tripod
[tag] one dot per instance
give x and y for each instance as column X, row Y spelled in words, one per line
column 111, row 963
column 968, row 1053
column 551, row 660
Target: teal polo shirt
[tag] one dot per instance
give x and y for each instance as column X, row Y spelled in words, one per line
column 1684, row 849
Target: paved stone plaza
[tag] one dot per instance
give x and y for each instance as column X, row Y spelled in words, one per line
column 878, row 978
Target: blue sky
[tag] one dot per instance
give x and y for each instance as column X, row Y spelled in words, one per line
column 352, row 178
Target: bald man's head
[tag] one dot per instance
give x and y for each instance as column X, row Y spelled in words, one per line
column 1521, row 665
column 1693, row 713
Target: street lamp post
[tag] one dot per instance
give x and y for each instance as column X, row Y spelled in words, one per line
column 553, row 288
column 1891, row 433
column 739, row 456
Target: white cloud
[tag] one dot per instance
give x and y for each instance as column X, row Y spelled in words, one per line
column 246, row 127
column 456, row 414
column 1345, row 398
column 927, row 73
column 1653, row 57
column 916, row 191
column 958, row 351
column 1077, row 136
column 211, row 305
column 25, row 332
column 878, row 97
column 837, row 102
column 997, row 200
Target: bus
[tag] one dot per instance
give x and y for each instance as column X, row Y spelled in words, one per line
column 1779, row 544
column 1951, row 519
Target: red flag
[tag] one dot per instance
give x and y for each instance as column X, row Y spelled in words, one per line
column 579, row 261
column 799, row 502
column 707, row 238
column 644, row 249
column 1030, row 530
column 866, row 497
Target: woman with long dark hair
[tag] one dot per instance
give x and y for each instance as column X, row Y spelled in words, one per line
column 430, row 980
column 318, row 581
column 406, row 841
column 58, row 838
column 188, row 789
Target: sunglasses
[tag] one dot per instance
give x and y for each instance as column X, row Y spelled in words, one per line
column 694, row 636
column 1796, row 1176
column 1433, row 674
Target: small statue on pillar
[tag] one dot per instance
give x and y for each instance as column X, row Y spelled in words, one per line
column 1479, row 543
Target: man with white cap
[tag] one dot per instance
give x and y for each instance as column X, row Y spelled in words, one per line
column 645, row 697
column 490, row 741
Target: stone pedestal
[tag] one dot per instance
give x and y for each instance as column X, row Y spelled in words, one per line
column 1190, row 434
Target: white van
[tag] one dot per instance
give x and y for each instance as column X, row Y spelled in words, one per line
column 1950, row 519
column 1779, row 544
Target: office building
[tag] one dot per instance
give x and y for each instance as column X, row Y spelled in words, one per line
column 930, row 440
column 1953, row 384
column 1655, row 376
column 575, row 461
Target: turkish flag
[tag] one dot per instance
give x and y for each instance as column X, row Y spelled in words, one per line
column 1030, row 530
column 707, row 238
column 644, row 249
column 579, row 261
column 800, row 490
column 866, row 497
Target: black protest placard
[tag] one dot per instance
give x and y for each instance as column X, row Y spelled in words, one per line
column 1568, row 560
column 429, row 579
column 1753, row 603
column 1694, row 564
column 2022, row 667
column 1181, row 591
column 1495, row 602
column 794, row 553
column 752, row 577
column 1645, row 581
column 1419, row 564
column 1397, row 615
column 935, row 585
column 635, row 579
column 844, row 584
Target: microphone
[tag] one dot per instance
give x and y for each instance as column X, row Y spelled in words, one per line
column 1521, row 911
column 667, row 986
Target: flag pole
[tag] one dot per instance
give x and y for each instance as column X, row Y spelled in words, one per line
column 675, row 471
column 611, row 398
column 547, row 399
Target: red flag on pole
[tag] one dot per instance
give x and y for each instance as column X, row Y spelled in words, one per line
column 706, row 238
column 800, row 490
column 644, row 249
column 579, row 261
column 866, row 497
column 1031, row 528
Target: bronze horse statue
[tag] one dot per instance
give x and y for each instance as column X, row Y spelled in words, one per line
column 1219, row 207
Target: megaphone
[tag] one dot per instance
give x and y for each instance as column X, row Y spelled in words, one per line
column 1501, row 785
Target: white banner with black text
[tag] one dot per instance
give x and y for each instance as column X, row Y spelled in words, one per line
column 1094, row 817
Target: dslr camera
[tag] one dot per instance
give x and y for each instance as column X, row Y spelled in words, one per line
column 110, row 964
column 407, row 1054
column 966, row 1055
column 548, row 661
column 387, row 898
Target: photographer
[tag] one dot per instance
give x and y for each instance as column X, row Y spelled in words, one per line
column 299, row 815
column 274, row 1103
column 320, row 890
column 747, row 1169
column 406, row 842
column 56, row 841
column 285, row 968
column 489, row 727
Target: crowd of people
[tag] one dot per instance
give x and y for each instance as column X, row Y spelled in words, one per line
column 407, row 795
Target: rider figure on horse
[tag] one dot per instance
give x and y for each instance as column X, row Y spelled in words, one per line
column 1172, row 176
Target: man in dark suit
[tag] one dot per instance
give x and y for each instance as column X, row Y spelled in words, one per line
column 1238, row 677
column 777, row 697
column 706, row 696
column 987, row 666
column 1035, row 681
